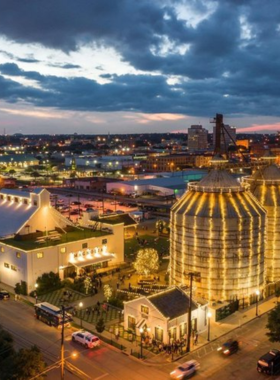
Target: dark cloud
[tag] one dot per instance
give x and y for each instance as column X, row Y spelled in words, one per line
column 143, row 93
column 28, row 60
column 70, row 66
column 232, row 51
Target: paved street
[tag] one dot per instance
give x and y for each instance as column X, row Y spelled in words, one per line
column 104, row 362
column 109, row 363
column 240, row 366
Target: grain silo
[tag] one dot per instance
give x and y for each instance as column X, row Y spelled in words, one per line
column 265, row 185
column 218, row 231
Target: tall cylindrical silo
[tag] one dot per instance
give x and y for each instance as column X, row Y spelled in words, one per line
column 265, row 185
column 218, row 231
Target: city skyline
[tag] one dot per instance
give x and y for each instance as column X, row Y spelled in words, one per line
column 132, row 67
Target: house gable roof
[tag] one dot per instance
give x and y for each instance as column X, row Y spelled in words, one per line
column 172, row 303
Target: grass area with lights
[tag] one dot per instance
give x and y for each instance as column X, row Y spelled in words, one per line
column 57, row 296
column 132, row 246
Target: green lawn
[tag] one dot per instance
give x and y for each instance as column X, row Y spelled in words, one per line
column 78, row 234
column 56, row 296
column 131, row 246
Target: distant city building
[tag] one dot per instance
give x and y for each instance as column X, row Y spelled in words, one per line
column 197, row 138
column 168, row 162
column 228, row 137
column 168, row 185
column 106, row 163
column 18, row 160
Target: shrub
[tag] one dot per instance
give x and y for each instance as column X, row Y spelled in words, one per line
column 21, row 288
column 100, row 325
column 48, row 282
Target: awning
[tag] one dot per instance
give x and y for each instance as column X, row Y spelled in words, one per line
column 140, row 323
column 95, row 260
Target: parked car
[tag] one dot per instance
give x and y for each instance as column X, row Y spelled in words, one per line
column 76, row 203
column 74, row 212
column 183, row 371
column 87, row 205
column 87, row 339
column 4, row 295
column 229, row 347
column 269, row 363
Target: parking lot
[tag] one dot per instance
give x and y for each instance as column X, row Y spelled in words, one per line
column 73, row 206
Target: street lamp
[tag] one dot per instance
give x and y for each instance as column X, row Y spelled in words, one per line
column 209, row 315
column 141, row 341
column 80, row 306
column 257, row 302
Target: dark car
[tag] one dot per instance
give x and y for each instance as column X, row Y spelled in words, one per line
column 88, row 205
column 269, row 363
column 4, row 295
column 74, row 212
column 229, row 347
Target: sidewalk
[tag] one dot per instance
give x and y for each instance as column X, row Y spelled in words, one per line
column 217, row 329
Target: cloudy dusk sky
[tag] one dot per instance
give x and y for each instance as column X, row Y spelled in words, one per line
column 132, row 66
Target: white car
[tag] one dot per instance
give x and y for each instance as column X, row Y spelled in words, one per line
column 86, row 339
column 185, row 370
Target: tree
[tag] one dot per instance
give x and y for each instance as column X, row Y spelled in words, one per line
column 273, row 325
column 146, row 261
column 25, row 364
column 100, row 325
column 21, row 288
column 48, row 282
column 6, row 345
column 108, row 291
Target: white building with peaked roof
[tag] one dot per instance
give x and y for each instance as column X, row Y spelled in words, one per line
column 35, row 239
column 165, row 315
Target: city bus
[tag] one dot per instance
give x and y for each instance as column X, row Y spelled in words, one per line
column 51, row 315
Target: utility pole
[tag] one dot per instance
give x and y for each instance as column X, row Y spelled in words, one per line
column 191, row 275
column 62, row 342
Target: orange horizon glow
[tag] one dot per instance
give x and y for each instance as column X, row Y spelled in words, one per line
column 265, row 128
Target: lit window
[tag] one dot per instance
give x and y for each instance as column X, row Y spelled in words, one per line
column 6, row 265
column 9, row 198
column 144, row 309
column 16, row 199
column 62, row 250
column 40, row 255
column 25, row 201
column 13, row 267
column 35, row 203
column 18, row 255
column 2, row 249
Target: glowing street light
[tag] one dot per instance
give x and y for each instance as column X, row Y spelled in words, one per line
column 80, row 306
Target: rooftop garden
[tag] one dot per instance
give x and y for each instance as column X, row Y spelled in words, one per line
column 70, row 236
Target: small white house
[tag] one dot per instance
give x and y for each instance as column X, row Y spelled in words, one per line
column 165, row 315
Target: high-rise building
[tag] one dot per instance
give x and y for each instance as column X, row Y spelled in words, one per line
column 197, row 138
